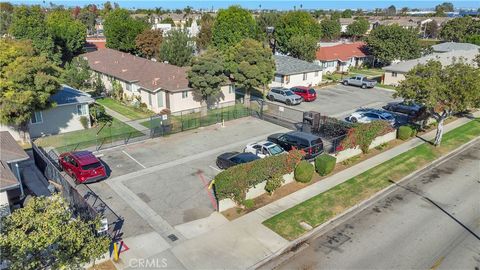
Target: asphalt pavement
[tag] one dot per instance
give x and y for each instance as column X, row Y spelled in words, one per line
column 430, row 222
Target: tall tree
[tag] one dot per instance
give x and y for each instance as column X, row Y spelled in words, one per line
column 6, row 10
column 331, row 29
column 67, row 33
column 207, row 76
column 303, row 47
column 231, row 26
column 46, row 235
column 177, row 48
column 121, row 30
column 77, row 74
column 88, row 19
column 204, row 37
column 442, row 8
column 358, row 28
column 458, row 29
column 431, row 29
column 265, row 21
column 443, row 90
column 347, row 13
column 404, row 11
column 148, row 43
column 391, row 11
column 28, row 81
column 28, row 22
column 295, row 23
column 392, row 42
column 250, row 65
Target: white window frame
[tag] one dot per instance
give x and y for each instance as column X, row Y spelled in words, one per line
column 79, row 109
column 316, row 73
column 305, row 76
column 36, row 118
column 128, row 87
column 394, row 74
column 230, row 88
column 184, row 94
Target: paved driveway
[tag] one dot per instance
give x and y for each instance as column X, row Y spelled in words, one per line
column 169, row 177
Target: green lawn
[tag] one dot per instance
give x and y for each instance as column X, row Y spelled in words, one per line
column 325, row 206
column 89, row 137
column 194, row 120
column 370, row 72
column 127, row 111
column 386, row 86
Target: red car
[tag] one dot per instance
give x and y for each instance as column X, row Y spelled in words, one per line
column 83, row 166
column 307, row 93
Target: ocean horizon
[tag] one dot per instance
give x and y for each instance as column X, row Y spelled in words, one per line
column 265, row 4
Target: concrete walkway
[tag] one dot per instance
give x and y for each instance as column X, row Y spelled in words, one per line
column 244, row 242
column 133, row 123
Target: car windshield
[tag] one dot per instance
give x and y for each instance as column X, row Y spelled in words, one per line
column 311, row 91
column 289, row 93
column 275, row 150
column 91, row 166
column 388, row 117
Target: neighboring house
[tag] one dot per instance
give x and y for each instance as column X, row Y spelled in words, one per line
column 159, row 85
column 454, row 46
column 70, row 105
column 339, row 58
column 95, row 43
column 396, row 72
column 11, row 188
column 290, row 71
column 180, row 20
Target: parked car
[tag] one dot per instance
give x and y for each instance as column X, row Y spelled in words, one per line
column 284, row 95
column 227, row 160
column 360, row 81
column 367, row 116
column 311, row 144
column 82, row 166
column 264, row 149
column 307, row 93
column 406, row 107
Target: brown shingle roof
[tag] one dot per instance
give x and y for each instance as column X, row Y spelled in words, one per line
column 7, row 179
column 148, row 74
column 10, row 151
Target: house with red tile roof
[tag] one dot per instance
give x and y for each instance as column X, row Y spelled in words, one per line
column 160, row 86
column 339, row 58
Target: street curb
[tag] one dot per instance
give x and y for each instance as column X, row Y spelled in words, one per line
column 300, row 243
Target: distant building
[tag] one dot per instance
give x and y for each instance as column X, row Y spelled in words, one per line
column 454, row 46
column 290, row 71
column 339, row 58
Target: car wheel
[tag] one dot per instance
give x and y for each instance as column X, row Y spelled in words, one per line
column 270, row 98
column 345, row 83
column 289, row 102
column 354, row 120
column 364, row 86
column 219, row 165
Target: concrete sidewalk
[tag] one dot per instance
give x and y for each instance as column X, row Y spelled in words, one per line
column 133, row 123
column 245, row 242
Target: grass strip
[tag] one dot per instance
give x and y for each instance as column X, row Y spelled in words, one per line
column 127, row 111
column 330, row 203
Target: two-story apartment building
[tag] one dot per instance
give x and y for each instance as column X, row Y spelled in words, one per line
column 290, row 71
column 160, row 86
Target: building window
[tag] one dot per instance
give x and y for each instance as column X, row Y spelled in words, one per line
column 316, row 73
column 394, row 74
column 82, row 109
column 304, row 76
column 230, row 88
column 184, row 94
column 128, row 87
column 160, row 99
column 37, row 118
column 286, row 79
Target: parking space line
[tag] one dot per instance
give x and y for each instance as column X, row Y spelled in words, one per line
column 206, row 185
column 134, row 159
column 216, row 169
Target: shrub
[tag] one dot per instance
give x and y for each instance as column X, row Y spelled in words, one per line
column 249, row 203
column 324, row 164
column 84, row 122
column 234, row 182
column 304, row 172
column 364, row 134
column 404, row 132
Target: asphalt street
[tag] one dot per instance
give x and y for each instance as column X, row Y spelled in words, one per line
column 431, row 222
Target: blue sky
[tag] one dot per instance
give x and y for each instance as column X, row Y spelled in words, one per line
column 266, row 4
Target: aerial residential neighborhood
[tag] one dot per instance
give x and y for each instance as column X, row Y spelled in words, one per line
column 239, row 135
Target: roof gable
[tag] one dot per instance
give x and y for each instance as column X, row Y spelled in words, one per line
column 68, row 95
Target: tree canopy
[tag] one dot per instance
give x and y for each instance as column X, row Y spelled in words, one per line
column 121, row 30
column 77, row 74
column 331, row 29
column 347, row 13
column 177, row 48
column 303, row 47
column 148, row 43
column 45, row 235
column 295, row 23
column 207, row 76
column 231, row 26
column 460, row 29
column 6, row 10
column 204, row 37
column 393, row 42
column 358, row 27
column 28, row 81
column 444, row 90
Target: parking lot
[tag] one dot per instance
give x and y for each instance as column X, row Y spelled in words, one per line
column 339, row 101
column 170, row 176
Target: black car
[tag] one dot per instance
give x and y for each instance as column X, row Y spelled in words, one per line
column 227, row 160
column 311, row 144
column 406, row 107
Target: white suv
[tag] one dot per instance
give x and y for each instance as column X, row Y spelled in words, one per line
column 284, row 95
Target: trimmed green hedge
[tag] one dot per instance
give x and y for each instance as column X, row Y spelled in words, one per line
column 234, row 182
column 304, row 172
column 324, row 164
column 404, row 132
